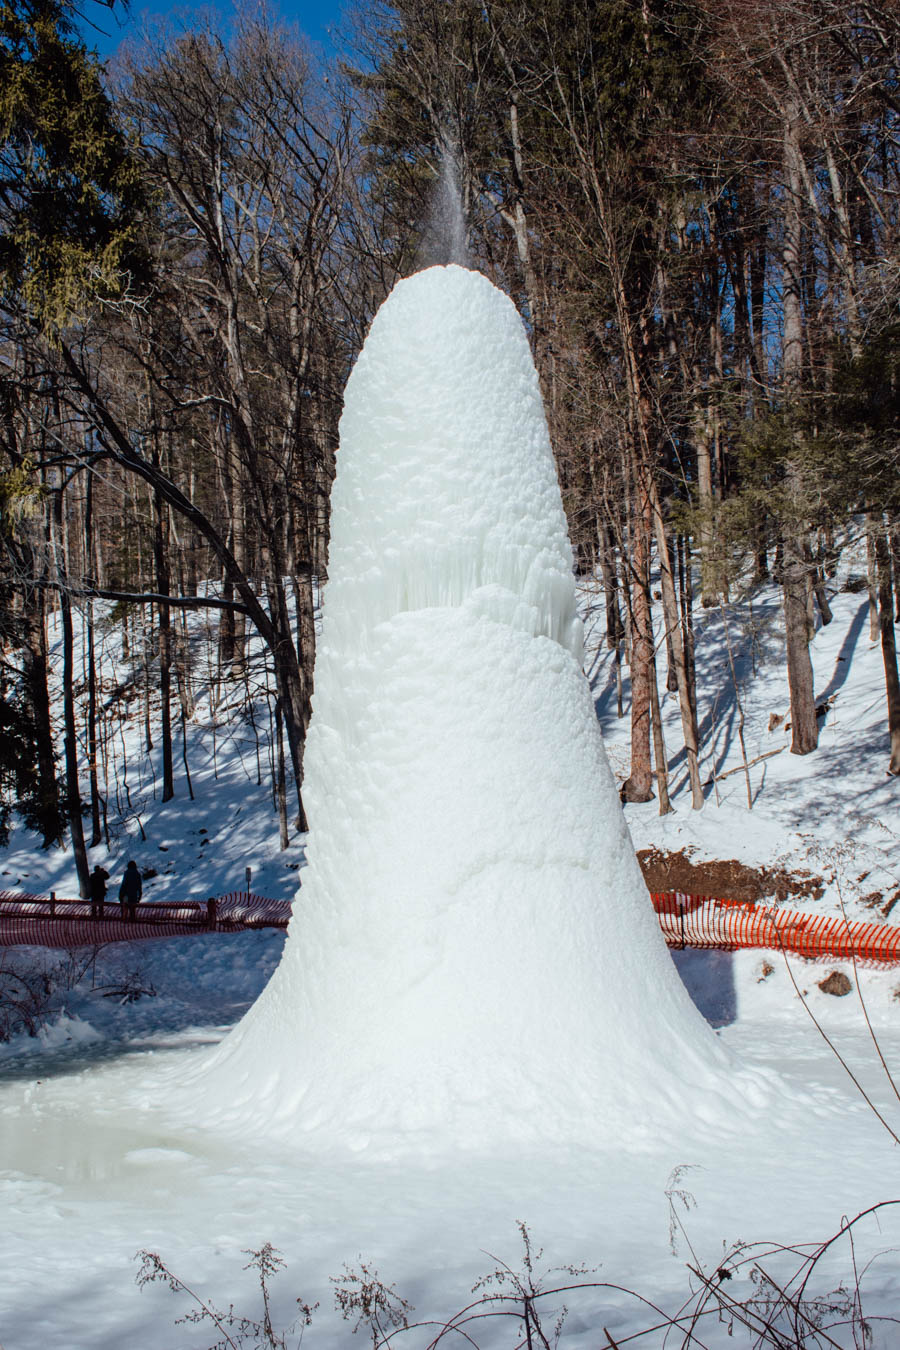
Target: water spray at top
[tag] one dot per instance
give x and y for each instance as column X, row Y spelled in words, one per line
column 446, row 233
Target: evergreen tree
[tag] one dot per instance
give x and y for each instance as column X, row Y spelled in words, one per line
column 28, row 779
column 70, row 192
column 70, row 219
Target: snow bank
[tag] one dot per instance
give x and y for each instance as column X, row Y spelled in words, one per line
column 473, row 957
column 63, row 1030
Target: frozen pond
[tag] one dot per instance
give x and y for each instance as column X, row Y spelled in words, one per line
column 93, row 1172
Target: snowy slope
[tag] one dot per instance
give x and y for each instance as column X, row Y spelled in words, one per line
column 834, row 813
column 196, row 847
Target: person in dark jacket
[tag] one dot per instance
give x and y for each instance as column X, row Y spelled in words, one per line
column 98, row 880
column 130, row 891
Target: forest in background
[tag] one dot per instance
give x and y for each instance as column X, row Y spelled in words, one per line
column 694, row 206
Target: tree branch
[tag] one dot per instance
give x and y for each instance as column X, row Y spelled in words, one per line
column 143, row 597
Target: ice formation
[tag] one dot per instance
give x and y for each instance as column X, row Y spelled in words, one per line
column 473, row 957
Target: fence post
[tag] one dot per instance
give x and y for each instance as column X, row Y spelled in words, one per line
column 52, row 904
column 211, row 911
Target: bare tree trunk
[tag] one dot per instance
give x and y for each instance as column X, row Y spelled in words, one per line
column 675, row 636
column 239, row 549
column 35, row 685
column 810, row 593
column 191, row 542
column 96, row 833
column 184, row 754
column 145, row 653
column 283, row 836
column 609, row 574
column 226, row 627
column 686, row 602
column 817, row 582
column 671, row 675
column 704, row 489
column 888, row 644
column 659, row 744
column 293, row 696
column 639, row 784
column 227, row 618
column 843, row 257
column 758, row 270
column 872, row 579
column 73, row 795
column 301, row 544
column 165, row 648
column 804, row 728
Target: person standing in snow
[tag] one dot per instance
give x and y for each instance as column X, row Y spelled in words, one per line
column 98, row 880
column 130, row 891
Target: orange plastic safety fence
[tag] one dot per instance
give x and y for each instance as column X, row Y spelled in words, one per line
column 704, row 921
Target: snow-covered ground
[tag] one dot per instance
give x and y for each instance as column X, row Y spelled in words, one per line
column 92, row 1175
column 92, row 1170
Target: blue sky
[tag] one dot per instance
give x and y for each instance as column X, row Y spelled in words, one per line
column 106, row 29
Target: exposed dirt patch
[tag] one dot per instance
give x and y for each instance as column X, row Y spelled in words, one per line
column 836, row 983
column 724, row 879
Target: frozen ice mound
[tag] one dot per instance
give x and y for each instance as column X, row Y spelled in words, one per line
column 473, row 957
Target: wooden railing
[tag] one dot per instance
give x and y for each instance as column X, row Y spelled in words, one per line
column 52, row 921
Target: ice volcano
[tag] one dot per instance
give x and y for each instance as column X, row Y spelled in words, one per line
column 473, row 957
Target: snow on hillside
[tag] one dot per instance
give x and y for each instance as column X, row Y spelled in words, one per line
column 89, row 1174
column 185, row 848
column 834, row 813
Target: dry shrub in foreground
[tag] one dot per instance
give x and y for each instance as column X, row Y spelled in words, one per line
column 759, row 1294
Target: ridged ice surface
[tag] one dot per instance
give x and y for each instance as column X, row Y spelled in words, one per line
column 445, row 484
column 473, row 956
